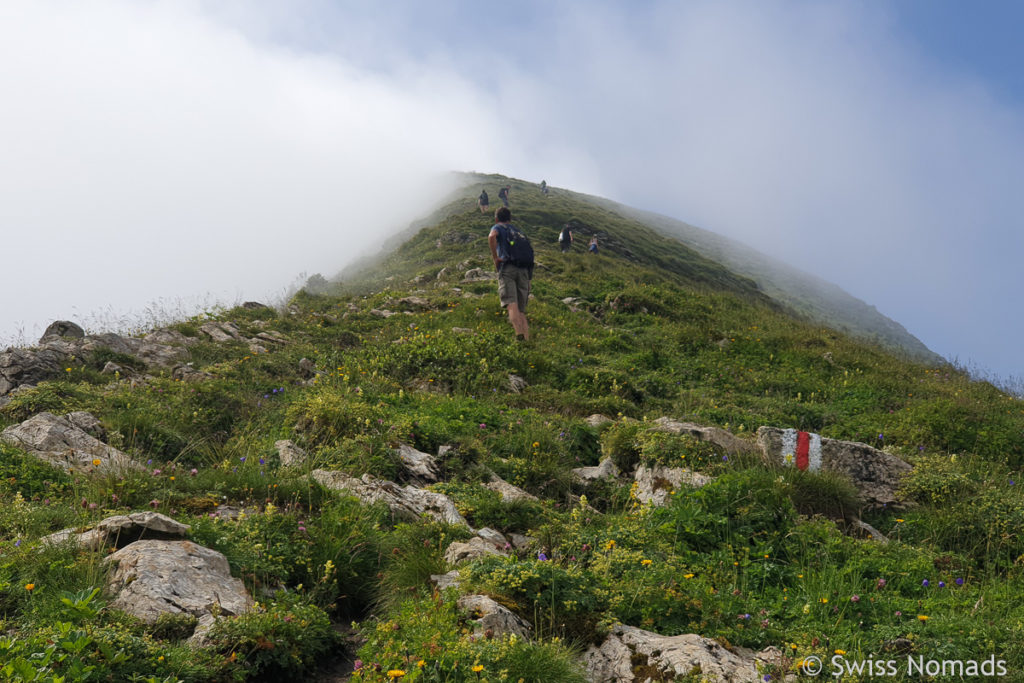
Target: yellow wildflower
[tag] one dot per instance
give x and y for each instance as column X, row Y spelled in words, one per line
column 395, row 673
column 922, row 617
column 645, row 562
column 687, row 576
column 477, row 668
column 96, row 462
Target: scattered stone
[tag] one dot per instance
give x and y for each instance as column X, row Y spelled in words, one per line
column 169, row 337
column 59, row 442
column 408, row 502
column 290, row 454
column 684, row 655
column 257, row 349
column 725, row 440
column 254, row 305
column 112, row 368
column 416, row 302
column 121, row 530
column 443, row 581
column 655, row 482
column 463, row 330
column 473, row 549
column 88, row 423
column 175, row 577
column 597, row 420
column 274, row 337
column 876, row 474
column 442, row 274
column 509, row 493
column 221, row 332
column 605, row 469
column 495, row 538
column 187, row 373
column 493, row 618
column 423, row 467
column 575, row 304
column 870, row 531
column 382, row 313
column 479, row 275
column 516, row 383
column 62, row 328
column 307, row 368
column 521, row 542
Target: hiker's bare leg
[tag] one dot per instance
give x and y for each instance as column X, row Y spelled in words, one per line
column 518, row 320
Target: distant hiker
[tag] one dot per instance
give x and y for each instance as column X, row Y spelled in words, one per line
column 512, row 254
column 565, row 239
column 483, row 202
column 544, row 187
column 592, row 247
column 503, row 195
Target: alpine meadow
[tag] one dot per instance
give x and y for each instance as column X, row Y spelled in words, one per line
column 693, row 470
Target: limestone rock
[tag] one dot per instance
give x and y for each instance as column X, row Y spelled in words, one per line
column 408, row 501
column 443, row 581
column 20, row 367
column 176, row 577
column 273, row 337
column 479, row 275
column 606, row 468
column 121, row 530
column 88, row 423
column 289, row 453
column 492, row 617
column 307, row 368
column 63, row 328
column 655, row 482
column 682, row 655
column 475, row 548
column 509, row 493
column 254, row 305
column 716, row 435
column 169, row 337
column 414, row 302
column 516, row 383
column 422, row 467
column 869, row 531
column 876, row 474
column 597, row 420
column 221, row 332
column 442, row 274
column 463, row 330
column 59, row 442
column 495, row 538
column 382, row 313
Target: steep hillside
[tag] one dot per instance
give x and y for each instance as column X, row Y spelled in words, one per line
column 386, row 436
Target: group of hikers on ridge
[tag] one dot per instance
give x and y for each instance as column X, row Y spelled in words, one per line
column 484, row 201
column 512, row 255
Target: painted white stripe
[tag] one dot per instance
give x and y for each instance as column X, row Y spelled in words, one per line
column 814, row 453
column 789, row 447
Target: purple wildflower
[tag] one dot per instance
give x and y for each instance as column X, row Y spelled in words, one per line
column 854, row 598
column 942, row 584
column 542, row 557
column 959, row 582
column 925, row 583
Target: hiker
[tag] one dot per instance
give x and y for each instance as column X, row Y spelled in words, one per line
column 592, row 247
column 565, row 239
column 512, row 254
column 544, row 187
column 503, row 195
column 483, row 202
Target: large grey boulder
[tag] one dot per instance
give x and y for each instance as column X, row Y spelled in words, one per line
column 627, row 647
column 221, row 332
column 407, row 502
column 605, row 469
column 491, row 618
column 175, row 577
column 63, row 328
column 422, row 467
column 876, row 474
column 725, row 440
column 121, row 530
column 655, row 483
column 59, row 442
column 21, row 367
column 289, row 453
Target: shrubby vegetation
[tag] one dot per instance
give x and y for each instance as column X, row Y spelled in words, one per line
column 758, row 557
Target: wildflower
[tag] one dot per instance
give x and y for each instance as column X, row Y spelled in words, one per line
column 154, row 503
column 395, row 673
column 420, row 664
column 609, row 545
column 725, row 458
column 536, row 444
column 645, row 562
column 262, row 461
column 899, row 613
column 542, row 557
column 854, row 598
column 160, row 658
column 925, row 583
column 30, row 587
column 483, row 425
column 959, row 582
column 156, row 473
column 942, row 584
column 96, row 462
column 688, row 576
column 357, row 665
column 899, row 521
column 477, row 668
column 840, row 652
column 824, row 601
column 745, row 616
column 193, row 471
column 880, row 584
column 17, row 543
column 241, row 459
column 922, row 618
column 84, row 503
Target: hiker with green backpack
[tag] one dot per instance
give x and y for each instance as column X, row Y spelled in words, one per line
column 512, row 254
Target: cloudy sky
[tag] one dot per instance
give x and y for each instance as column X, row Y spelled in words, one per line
column 158, row 155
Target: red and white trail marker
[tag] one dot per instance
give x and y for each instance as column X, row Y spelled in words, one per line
column 801, row 450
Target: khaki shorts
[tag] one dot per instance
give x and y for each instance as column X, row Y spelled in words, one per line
column 514, row 286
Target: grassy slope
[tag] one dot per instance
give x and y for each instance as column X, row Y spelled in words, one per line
column 662, row 331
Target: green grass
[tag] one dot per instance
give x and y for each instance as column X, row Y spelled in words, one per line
column 759, row 557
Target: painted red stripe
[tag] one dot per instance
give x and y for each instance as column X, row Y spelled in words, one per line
column 803, row 443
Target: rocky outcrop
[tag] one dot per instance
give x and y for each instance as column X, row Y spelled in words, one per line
column 725, row 440
column 655, row 483
column 407, row 502
column 876, row 474
column 509, row 493
column 121, row 530
column 473, row 549
column 443, row 581
column 59, row 442
column 221, row 332
column 605, row 469
column 290, row 454
column 597, row 420
column 491, row 618
column 628, row 654
column 175, row 577
column 422, row 467
column 63, row 328
column 479, row 275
